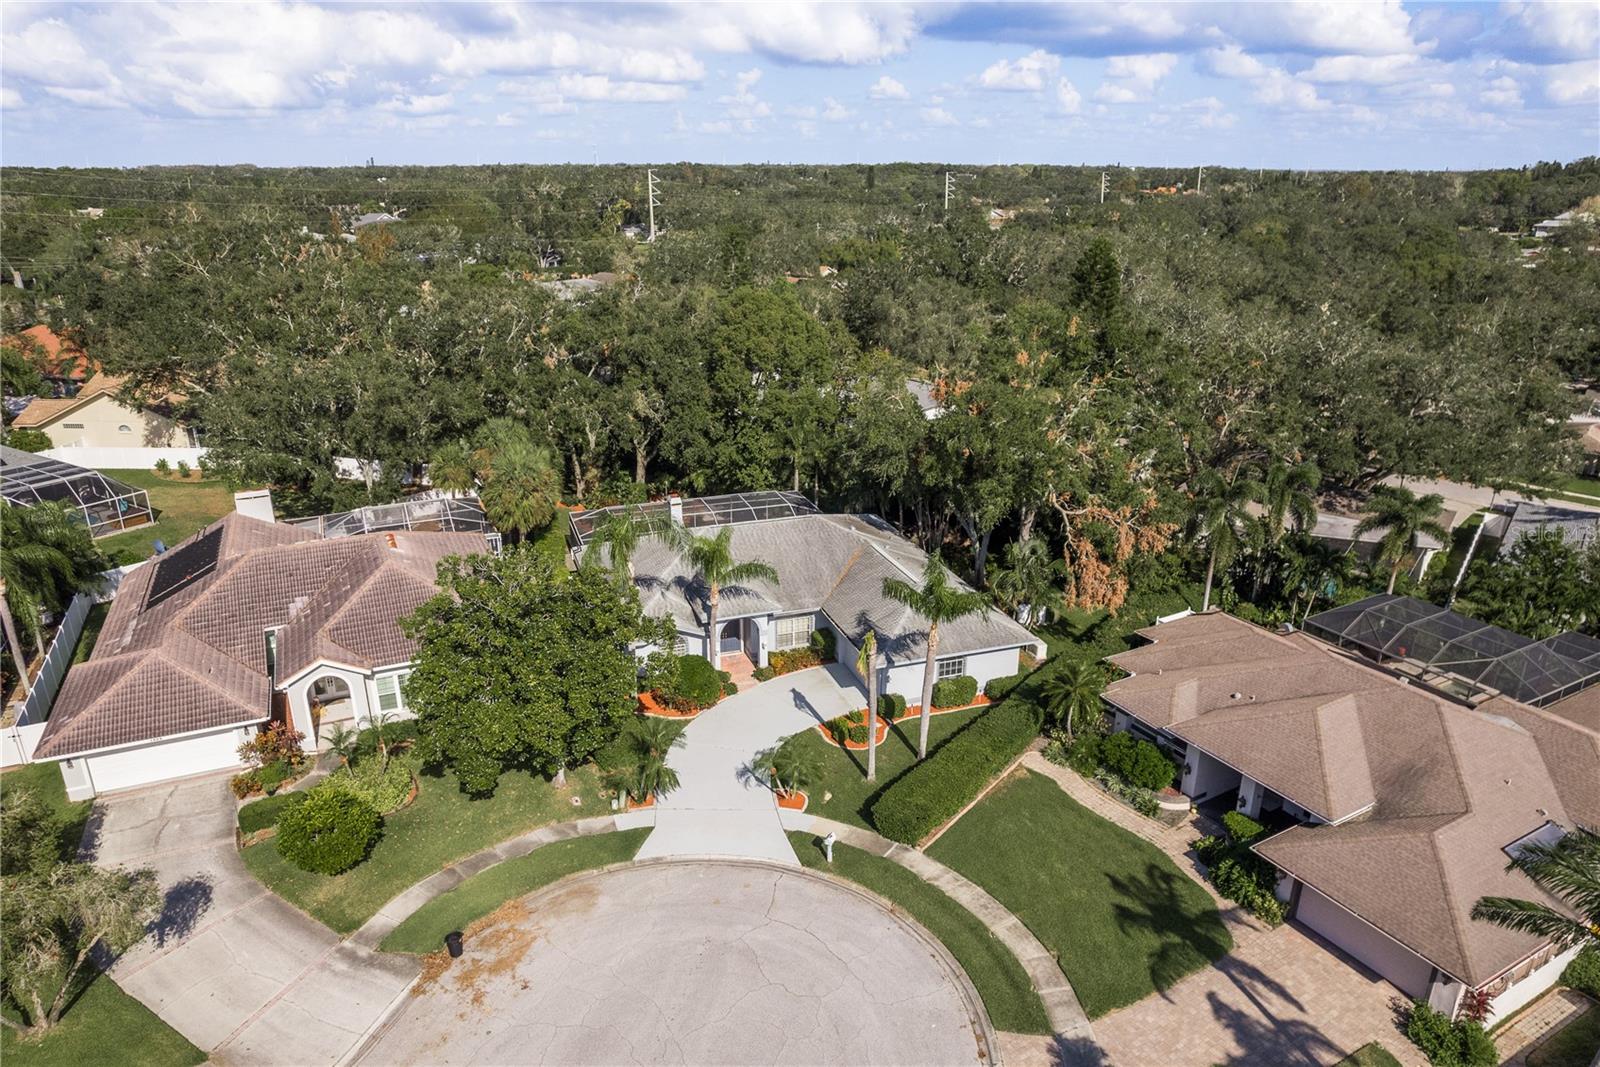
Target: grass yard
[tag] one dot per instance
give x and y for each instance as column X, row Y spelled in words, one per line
column 182, row 509
column 44, row 780
column 481, row 894
column 1574, row 1045
column 1371, row 1054
column 1122, row 919
column 1007, row 994
column 103, row 1025
column 441, row 826
column 92, row 624
column 843, row 792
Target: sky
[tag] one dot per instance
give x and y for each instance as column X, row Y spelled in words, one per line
column 1340, row 85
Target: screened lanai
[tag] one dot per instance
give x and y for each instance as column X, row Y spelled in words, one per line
column 698, row 511
column 414, row 513
column 106, row 505
column 1461, row 656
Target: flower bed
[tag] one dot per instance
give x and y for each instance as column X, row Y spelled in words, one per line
column 650, row 704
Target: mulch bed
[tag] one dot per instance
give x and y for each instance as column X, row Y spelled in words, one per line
column 639, row 805
column 795, row 801
column 912, row 712
column 649, row 705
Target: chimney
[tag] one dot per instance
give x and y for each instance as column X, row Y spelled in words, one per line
column 675, row 506
column 255, row 503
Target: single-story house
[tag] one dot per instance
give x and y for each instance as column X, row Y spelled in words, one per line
column 60, row 361
column 1336, row 526
column 1589, row 441
column 96, row 418
column 246, row 622
column 1402, row 761
column 927, row 402
column 831, row 570
column 1577, row 526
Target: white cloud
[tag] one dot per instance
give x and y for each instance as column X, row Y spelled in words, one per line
column 1366, row 70
column 844, row 33
column 1031, row 73
column 938, row 116
column 719, row 126
column 1504, row 92
column 1271, row 85
column 601, row 87
column 1560, row 30
column 743, row 105
column 506, row 118
column 1134, row 78
column 1573, row 83
column 431, row 104
column 833, row 111
column 1231, row 61
column 10, row 99
column 886, row 88
column 1067, row 97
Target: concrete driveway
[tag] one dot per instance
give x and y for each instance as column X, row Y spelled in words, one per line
column 719, row 809
column 696, row 962
column 229, row 965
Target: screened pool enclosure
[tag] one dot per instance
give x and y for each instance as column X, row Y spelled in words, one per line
column 106, row 505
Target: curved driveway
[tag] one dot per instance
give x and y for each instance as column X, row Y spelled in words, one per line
column 705, row 962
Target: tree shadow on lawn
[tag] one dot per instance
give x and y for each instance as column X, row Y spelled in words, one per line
column 1190, row 931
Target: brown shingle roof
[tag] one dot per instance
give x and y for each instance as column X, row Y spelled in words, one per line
column 196, row 660
column 1449, row 787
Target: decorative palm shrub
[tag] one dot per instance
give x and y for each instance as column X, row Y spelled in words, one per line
column 329, row 832
column 642, row 770
column 790, row 767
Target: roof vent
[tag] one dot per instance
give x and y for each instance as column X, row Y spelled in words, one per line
column 1235, row 696
column 394, row 544
column 1286, row 628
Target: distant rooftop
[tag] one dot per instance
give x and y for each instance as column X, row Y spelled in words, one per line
column 428, row 513
column 698, row 511
column 1461, row 657
column 1576, row 526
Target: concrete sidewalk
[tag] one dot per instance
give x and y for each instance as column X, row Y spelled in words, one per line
column 720, row 808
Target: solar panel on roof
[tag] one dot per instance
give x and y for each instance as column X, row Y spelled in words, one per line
column 184, row 566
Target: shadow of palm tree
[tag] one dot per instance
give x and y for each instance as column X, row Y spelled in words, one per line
column 181, row 908
column 1267, row 1039
column 1189, row 932
column 88, row 839
column 1076, row 1052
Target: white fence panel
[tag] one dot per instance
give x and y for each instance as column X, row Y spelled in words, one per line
column 36, row 708
column 98, row 458
column 18, row 742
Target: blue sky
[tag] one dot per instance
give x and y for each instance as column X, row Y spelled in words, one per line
column 1322, row 85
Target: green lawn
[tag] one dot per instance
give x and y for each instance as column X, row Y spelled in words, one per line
column 1123, row 920
column 44, row 780
column 91, row 631
column 1066, row 630
column 1580, row 484
column 484, row 892
column 440, row 827
column 182, row 509
column 1007, row 993
column 104, row 1025
column 1574, row 1045
column 1371, row 1054
column 843, row 792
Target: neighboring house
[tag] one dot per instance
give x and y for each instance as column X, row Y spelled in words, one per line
column 1589, row 441
column 96, row 418
column 831, row 570
column 59, row 361
column 246, row 622
column 1577, row 526
column 922, row 392
column 107, row 505
column 1408, row 750
column 1338, row 528
column 573, row 288
column 374, row 218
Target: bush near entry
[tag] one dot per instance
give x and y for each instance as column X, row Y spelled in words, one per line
column 695, row 685
column 1583, row 973
column 329, row 832
column 891, row 705
column 1447, row 1043
column 955, row 692
column 997, row 689
column 1136, row 761
column 260, row 814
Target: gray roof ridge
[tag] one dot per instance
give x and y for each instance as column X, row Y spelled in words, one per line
column 1343, row 700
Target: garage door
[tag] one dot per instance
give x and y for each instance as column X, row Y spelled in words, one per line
column 160, row 762
column 1406, row 970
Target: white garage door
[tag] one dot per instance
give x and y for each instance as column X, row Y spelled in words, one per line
column 1410, row 973
column 162, row 761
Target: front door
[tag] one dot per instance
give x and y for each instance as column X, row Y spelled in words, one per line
column 729, row 641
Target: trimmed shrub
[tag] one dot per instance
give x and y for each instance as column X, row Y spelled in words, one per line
column 936, row 788
column 183, row 469
column 997, row 689
column 1137, row 761
column 955, row 692
column 824, row 643
column 1242, row 828
column 850, row 727
column 1583, row 973
column 1447, row 1043
column 1248, row 882
column 273, row 775
column 329, row 832
column 1083, row 754
column 891, row 705
column 764, row 674
column 163, row 467
column 794, row 659
column 260, row 814
column 247, row 784
column 696, row 685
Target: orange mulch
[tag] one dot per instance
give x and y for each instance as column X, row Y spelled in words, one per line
column 795, row 801
column 915, row 710
column 649, row 705
column 647, row 802
column 855, row 746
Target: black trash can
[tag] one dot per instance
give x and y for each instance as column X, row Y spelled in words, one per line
column 452, row 941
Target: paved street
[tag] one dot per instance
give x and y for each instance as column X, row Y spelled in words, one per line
column 720, row 810
column 703, row 963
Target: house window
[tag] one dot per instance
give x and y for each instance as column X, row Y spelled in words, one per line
column 391, row 691
column 680, row 645
column 124, row 428
column 793, row 632
column 272, row 652
column 952, row 668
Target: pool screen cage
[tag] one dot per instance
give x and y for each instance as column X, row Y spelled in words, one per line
column 106, row 505
column 421, row 512
column 694, row 512
column 1461, row 656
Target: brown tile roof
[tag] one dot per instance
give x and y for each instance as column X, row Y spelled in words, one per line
column 197, row 659
column 54, row 356
column 1448, row 787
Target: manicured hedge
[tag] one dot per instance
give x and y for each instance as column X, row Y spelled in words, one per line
column 329, row 832
column 937, row 788
column 891, row 705
column 955, row 692
column 1583, row 973
column 997, row 689
column 824, row 643
column 697, row 684
column 260, row 814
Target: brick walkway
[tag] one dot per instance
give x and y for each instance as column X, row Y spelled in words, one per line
column 1282, row 996
column 1538, row 1021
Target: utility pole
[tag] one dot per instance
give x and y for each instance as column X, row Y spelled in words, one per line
column 1198, row 178
column 949, row 186
column 650, row 184
column 1103, row 184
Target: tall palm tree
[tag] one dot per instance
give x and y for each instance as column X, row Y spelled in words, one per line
column 712, row 561
column 1028, row 583
column 1404, row 517
column 1218, row 518
column 521, row 488
column 47, row 556
column 1315, row 568
column 1072, row 695
column 937, row 600
column 1569, row 870
column 1289, row 495
column 451, row 469
column 620, row 533
column 867, row 666
column 9, row 625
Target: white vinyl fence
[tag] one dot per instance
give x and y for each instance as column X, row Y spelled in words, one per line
column 127, row 459
column 18, row 740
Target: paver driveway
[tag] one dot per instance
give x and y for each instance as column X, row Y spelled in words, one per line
column 693, row 962
column 229, row 965
column 720, row 810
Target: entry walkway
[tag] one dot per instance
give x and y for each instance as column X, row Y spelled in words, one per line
column 721, row 809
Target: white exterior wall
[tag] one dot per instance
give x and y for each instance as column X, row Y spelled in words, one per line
column 1203, row 776
column 362, row 699
column 1406, row 970
column 157, row 761
column 1535, row 983
column 1251, row 794
column 906, row 678
column 101, row 420
column 129, row 457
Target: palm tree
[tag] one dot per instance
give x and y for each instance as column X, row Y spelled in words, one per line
column 867, row 667
column 712, row 561
column 521, row 488
column 791, row 766
column 47, row 556
column 937, row 600
column 343, row 742
column 451, row 469
column 1027, row 583
column 1404, row 517
column 1218, row 518
column 1072, row 695
column 9, row 625
column 1289, row 495
column 378, row 720
column 646, row 744
column 620, row 532
column 1569, row 870
column 1315, row 568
